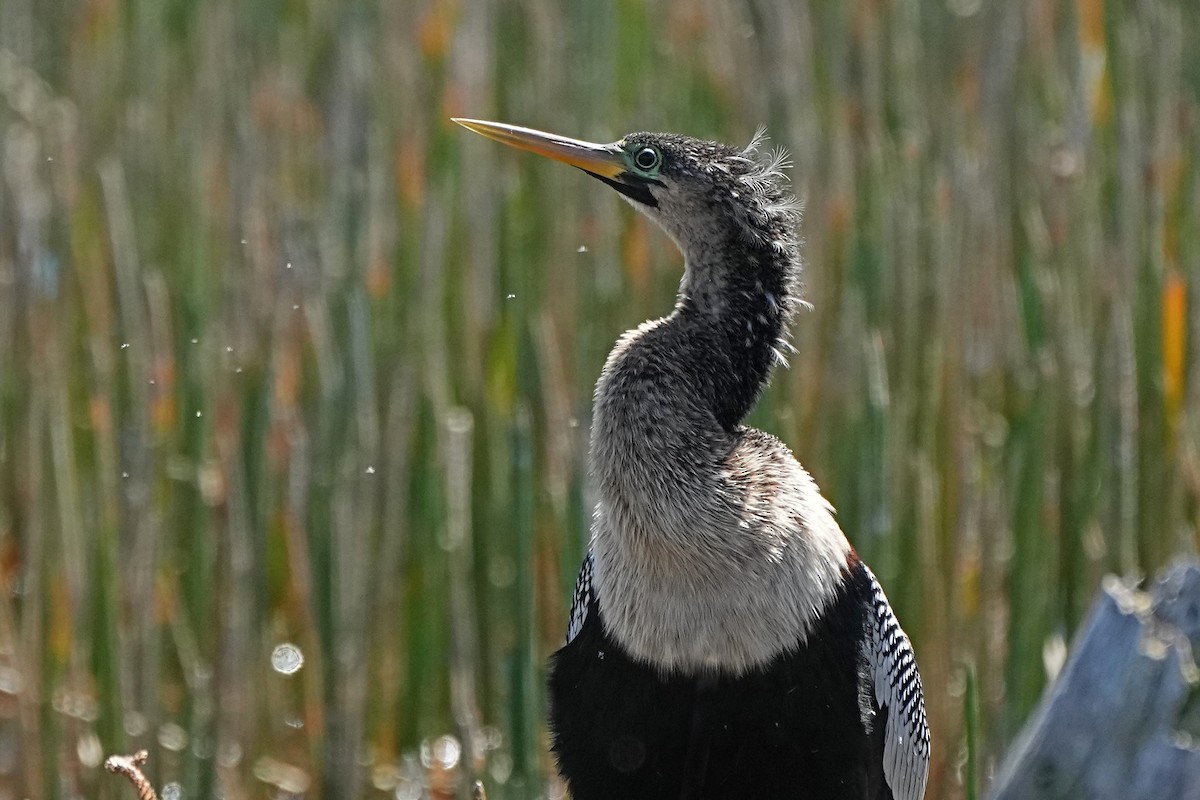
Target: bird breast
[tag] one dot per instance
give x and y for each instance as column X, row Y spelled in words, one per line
column 713, row 550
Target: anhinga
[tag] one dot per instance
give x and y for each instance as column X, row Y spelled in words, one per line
column 725, row 640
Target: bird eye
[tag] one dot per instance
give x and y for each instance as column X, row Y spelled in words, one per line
column 647, row 158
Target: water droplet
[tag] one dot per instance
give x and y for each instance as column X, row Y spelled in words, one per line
column 89, row 750
column 287, row 658
column 289, row 265
column 124, row 474
column 229, row 754
column 172, row 791
column 385, row 777
column 125, row 345
column 11, row 681
column 447, row 751
column 199, row 414
column 492, row 738
column 152, row 382
column 294, row 722
column 370, row 470
column 442, row 753
column 581, row 249
column 135, row 723
column 173, row 737
column 287, row 778
column 296, row 307
column 75, row 704
column 511, row 296
column 409, row 789
column 964, row 8
column 228, row 349
column 195, row 341
column 501, row 767
column 243, row 241
column 202, row 746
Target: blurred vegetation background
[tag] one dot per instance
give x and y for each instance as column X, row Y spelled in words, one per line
column 295, row 376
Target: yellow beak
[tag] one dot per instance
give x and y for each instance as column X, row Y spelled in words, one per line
column 602, row 160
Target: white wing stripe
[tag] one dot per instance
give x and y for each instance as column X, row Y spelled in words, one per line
column 898, row 689
column 581, row 600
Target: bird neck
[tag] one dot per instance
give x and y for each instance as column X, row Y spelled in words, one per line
column 735, row 302
column 711, row 546
column 673, row 392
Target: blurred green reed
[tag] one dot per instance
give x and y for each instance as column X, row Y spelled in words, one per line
column 286, row 358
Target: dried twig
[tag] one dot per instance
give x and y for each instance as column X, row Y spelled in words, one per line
column 131, row 768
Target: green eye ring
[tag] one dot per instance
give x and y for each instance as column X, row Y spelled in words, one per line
column 647, row 158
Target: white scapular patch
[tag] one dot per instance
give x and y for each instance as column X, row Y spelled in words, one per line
column 582, row 599
column 898, row 689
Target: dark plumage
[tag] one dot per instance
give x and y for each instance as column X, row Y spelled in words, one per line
column 725, row 639
column 785, row 729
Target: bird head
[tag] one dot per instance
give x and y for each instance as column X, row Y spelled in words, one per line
column 696, row 190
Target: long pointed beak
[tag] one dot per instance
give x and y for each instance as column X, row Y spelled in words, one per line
column 601, row 160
